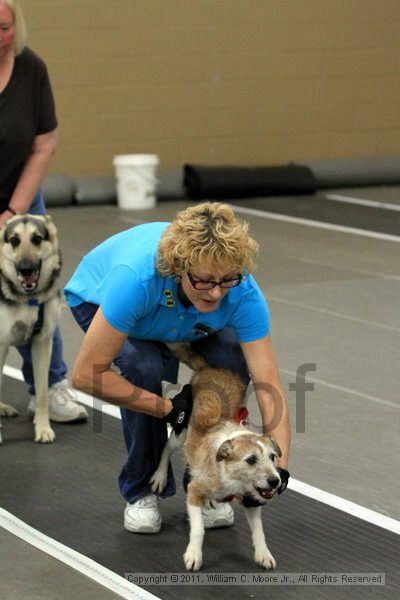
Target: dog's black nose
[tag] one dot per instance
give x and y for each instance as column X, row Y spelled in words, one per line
column 26, row 267
column 273, row 482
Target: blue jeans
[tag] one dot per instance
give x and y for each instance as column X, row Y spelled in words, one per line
column 58, row 368
column 146, row 364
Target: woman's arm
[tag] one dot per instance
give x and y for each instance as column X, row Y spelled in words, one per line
column 32, row 174
column 92, row 371
column 261, row 362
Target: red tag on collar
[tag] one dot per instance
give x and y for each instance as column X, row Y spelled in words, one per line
column 241, row 414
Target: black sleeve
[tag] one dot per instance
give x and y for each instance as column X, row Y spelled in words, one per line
column 47, row 120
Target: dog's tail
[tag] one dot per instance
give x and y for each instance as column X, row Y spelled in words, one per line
column 188, row 356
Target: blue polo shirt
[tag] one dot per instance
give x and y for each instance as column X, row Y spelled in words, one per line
column 120, row 275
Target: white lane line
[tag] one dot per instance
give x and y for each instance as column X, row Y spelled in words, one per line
column 326, row 265
column 86, row 399
column 317, row 224
column 345, row 506
column 362, row 202
column 298, row 486
column 340, row 388
column 331, row 313
column 88, row 567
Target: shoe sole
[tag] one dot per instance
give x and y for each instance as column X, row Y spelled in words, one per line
column 219, row 523
column 142, row 529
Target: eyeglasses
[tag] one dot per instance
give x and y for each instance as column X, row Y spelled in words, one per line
column 199, row 284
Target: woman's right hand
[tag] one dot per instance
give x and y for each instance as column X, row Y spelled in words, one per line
column 182, row 405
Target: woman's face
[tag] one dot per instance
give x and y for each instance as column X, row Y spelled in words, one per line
column 206, row 301
column 7, row 30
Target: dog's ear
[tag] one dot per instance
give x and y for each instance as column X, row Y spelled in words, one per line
column 51, row 231
column 270, row 440
column 2, row 234
column 5, row 231
column 225, row 451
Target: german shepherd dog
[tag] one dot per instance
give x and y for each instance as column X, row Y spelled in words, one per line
column 30, row 303
column 226, row 460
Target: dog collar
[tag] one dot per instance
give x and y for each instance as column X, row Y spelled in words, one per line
column 241, row 415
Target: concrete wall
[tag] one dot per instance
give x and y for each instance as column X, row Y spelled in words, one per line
column 220, row 81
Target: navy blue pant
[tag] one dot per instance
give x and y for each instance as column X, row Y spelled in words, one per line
column 58, row 368
column 146, row 364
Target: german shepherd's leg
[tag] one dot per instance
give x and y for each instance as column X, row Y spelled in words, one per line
column 193, row 556
column 262, row 555
column 41, row 354
column 159, row 478
column 5, row 409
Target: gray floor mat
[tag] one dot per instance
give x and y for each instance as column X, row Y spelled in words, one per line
column 318, row 208
column 69, row 491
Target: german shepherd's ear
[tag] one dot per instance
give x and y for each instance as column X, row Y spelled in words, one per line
column 5, row 231
column 52, row 231
column 270, row 440
column 225, row 451
column 2, row 232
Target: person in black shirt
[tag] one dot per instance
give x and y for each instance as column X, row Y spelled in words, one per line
column 28, row 139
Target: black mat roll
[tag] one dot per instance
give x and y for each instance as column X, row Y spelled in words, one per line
column 244, row 182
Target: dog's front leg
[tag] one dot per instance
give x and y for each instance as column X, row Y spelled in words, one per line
column 262, row 555
column 5, row 409
column 193, row 556
column 158, row 480
column 41, row 354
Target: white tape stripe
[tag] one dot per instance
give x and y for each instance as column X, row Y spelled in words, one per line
column 363, row 202
column 107, row 409
column 345, row 506
column 77, row 561
column 340, row 388
column 318, row 224
column 332, row 313
column 298, row 486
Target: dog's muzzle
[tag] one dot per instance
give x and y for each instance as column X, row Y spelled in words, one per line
column 268, row 492
column 28, row 274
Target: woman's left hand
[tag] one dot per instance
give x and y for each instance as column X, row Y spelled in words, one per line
column 4, row 217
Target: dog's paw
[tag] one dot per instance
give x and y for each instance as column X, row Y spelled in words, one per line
column 45, row 435
column 7, row 411
column 193, row 558
column 158, row 481
column 265, row 559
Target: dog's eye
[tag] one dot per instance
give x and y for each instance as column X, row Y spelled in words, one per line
column 272, row 457
column 251, row 460
column 14, row 241
column 36, row 239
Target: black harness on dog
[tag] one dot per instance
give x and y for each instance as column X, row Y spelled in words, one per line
column 37, row 328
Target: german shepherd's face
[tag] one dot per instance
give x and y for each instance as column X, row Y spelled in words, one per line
column 29, row 254
column 248, row 465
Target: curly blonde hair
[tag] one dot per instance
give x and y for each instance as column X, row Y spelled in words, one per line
column 207, row 232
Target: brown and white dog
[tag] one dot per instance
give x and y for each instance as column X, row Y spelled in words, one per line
column 226, row 460
column 30, row 303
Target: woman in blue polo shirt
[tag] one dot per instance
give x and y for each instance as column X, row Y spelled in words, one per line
column 184, row 281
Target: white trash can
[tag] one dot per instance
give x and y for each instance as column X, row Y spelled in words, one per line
column 136, row 180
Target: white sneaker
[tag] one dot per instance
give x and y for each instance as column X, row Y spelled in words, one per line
column 143, row 516
column 63, row 407
column 221, row 516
